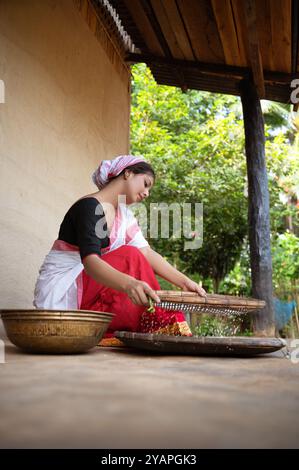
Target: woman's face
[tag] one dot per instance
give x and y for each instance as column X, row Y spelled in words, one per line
column 138, row 187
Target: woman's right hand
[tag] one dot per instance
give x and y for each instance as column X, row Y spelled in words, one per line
column 138, row 291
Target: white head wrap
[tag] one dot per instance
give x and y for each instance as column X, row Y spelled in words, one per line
column 111, row 168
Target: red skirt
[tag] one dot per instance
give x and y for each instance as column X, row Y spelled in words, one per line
column 128, row 316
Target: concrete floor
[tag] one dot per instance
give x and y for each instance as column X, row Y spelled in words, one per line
column 112, row 398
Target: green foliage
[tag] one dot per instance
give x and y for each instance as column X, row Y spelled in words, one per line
column 196, row 148
column 195, row 142
column 285, row 259
column 218, row 326
column 285, row 262
column 165, row 285
column 283, row 176
column 237, row 281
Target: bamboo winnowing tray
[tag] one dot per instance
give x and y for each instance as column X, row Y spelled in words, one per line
column 213, row 303
column 200, row 346
column 210, row 345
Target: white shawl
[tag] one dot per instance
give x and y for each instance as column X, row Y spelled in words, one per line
column 58, row 286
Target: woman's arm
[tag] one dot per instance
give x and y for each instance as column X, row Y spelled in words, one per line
column 105, row 274
column 163, row 269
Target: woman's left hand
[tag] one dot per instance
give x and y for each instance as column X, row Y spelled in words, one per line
column 189, row 285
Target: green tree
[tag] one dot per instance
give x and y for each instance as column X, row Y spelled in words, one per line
column 195, row 141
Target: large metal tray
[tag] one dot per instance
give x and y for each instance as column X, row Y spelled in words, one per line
column 201, row 346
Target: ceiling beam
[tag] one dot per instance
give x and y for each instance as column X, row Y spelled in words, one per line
column 129, row 24
column 253, row 46
column 212, row 69
column 148, row 10
column 150, row 13
column 295, row 21
column 295, row 27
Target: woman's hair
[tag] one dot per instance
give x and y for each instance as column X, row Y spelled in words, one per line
column 137, row 169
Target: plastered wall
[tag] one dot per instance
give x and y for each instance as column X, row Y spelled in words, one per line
column 66, row 108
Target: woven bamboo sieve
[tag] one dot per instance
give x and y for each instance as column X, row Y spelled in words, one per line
column 190, row 302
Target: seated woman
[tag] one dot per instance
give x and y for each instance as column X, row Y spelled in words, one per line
column 102, row 262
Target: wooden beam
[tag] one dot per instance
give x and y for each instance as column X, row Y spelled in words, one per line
column 281, row 29
column 227, row 31
column 173, row 28
column 241, row 31
column 148, row 10
column 279, row 93
column 129, row 24
column 253, row 46
column 217, row 69
column 202, row 30
column 295, row 21
column 264, row 22
column 137, row 21
column 258, row 209
column 150, row 13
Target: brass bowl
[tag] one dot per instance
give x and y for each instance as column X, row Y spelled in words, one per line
column 55, row 331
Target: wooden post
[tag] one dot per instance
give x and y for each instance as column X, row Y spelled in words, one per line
column 258, row 209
